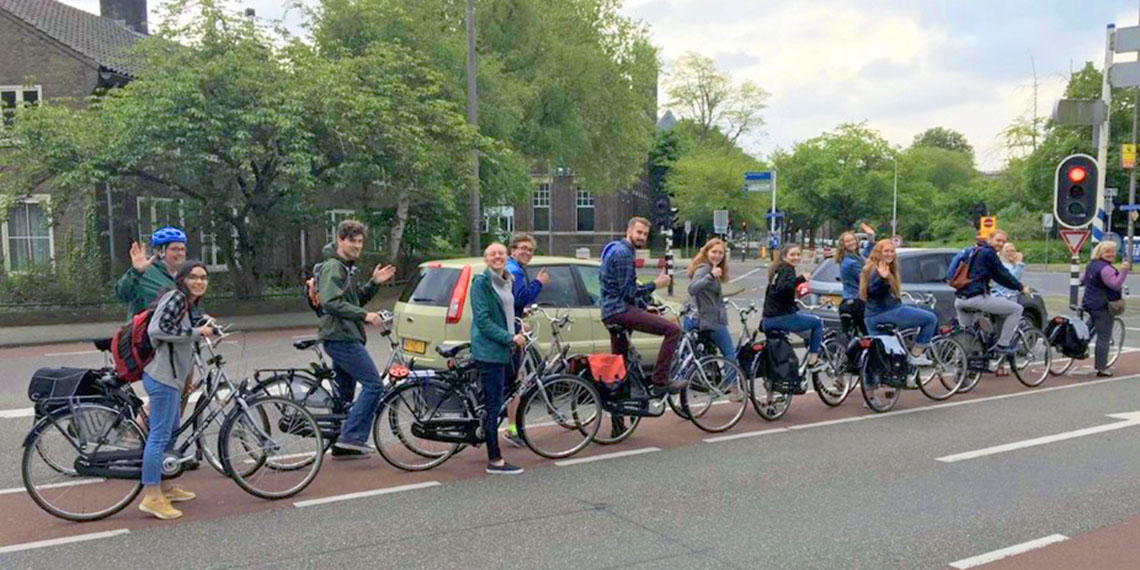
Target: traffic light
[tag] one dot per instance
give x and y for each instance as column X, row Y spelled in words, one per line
column 1075, row 191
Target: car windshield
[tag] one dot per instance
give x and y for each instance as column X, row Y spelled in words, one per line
column 430, row 286
column 827, row 271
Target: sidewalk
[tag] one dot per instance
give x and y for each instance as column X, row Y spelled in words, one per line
column 11, row 337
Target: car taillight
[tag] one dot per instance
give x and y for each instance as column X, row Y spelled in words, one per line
column 458, row 296
column 433, row 265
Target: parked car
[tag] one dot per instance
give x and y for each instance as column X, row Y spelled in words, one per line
column 923, row 271
column 433, row 307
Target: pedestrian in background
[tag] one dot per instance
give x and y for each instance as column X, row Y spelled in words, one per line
column 1102, row 300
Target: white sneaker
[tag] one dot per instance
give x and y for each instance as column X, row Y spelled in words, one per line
column 921, row 360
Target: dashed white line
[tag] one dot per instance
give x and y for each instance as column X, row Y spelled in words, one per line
column 734, row 280
column 76, row 353
column 52, row 486
column 64, row 540
column 604, row 456
column 1129, row 420
column 1008, row 551
column 361, row 494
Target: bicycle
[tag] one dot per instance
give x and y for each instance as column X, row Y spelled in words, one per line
column 94, row 443
column 881, row 392
column 1060, row 365
column 423, row 422
column 1031, row 359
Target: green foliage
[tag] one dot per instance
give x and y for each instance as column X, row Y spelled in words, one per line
column 948, row 139
column 708, row 97
column 710, row 176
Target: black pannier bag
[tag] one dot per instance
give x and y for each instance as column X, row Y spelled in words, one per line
column 1064, row 335
column 887, row 361
column 781, row 367
column 747, row 354
column 54, row 383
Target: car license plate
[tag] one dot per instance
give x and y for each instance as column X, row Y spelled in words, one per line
column 832, row 300
column 416, row 346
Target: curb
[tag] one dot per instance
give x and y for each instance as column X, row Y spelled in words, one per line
column 76, row 337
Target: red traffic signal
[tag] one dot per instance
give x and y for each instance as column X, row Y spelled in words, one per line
column 1077, row 174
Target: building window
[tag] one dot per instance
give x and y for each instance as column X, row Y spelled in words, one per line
column 27, row 235
column 584, row 204
column 13, row 95
column 156, row 213
column 335, row 217
column 499, row 221
column 541, row 203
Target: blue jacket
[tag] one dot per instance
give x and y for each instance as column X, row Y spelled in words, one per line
column 849, row 270
column 1015, row 270
column 879, row 296
column 525, row 290
column 986, row 267
column 620, row 290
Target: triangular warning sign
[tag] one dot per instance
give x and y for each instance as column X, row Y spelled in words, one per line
column 1074, row 239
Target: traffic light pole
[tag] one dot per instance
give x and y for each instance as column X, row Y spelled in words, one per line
column 1074, row 280
column 1098, row 222
column 669, row 257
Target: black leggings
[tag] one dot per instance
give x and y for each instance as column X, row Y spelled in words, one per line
column 1102, row 321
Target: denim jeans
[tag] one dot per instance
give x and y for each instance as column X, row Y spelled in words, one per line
column 720, row 337
column 799, row 323
column 350, row 359
column 494, row 377
column 905, row 317
column 162, row 420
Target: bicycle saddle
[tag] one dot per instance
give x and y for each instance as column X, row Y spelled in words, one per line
column 306, row 344
column 886, row 328
column 615, row 328
column 448, row 350
column 102, row 344
column 970, row 310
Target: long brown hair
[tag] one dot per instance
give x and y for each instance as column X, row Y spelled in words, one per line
column 702, row 256
column 872, row 265
column 779, row 263
column 840, row 249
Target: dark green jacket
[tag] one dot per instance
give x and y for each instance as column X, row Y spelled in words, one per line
column 138, row 290
column 491, row 340
column 342, row 300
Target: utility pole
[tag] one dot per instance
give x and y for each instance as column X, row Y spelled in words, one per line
column 473, row 120
column 1132, row 177
column 895, row 203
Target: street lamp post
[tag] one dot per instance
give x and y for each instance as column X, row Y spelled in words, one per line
column 895, row 203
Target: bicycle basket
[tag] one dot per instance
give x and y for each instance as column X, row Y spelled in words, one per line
column 58, row 383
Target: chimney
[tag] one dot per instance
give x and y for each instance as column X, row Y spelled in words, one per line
column 131, row 12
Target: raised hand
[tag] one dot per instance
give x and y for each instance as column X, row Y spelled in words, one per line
column 383, row 273
column 662, row 279
column 140, row 257
column 542, row 277
column 717, row 272
column 884, row 269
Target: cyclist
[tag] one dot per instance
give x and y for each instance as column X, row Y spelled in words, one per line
column 1014, row 262
column 780, row 310
column 881, row 288
column 984, row 267
column 851, row 261
column 707, row 272
column 342, row 333
column 150, row 274
column 525, row 292
column 172, row 330
column 1103, row 283
column 623, row 300
column 493, row 337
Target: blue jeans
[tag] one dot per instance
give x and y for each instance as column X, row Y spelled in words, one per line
column 720, row 337
column 798, row 323
column 494, row 377
column 906, row 317
column 351, row 360
column 162, row 420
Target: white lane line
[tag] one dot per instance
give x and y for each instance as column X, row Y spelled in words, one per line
column 604, row 456
column 1130, row 420
column 734, row 280
column 76, row 353
column 373, row 493
column 52, row 486
column 64, row 540
column 17, row 413
column 1008, row 551
column 917, row 410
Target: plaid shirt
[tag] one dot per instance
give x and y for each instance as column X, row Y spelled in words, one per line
column 618, row 275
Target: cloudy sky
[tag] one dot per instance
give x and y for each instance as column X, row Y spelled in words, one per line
column 900, row 65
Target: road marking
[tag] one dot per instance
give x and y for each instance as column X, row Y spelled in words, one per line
column 745, row 275
column 1008, row 551
column 362, row 494
column 64, row 540
column 1129, row 419
column 76, row 353
column 1132, row 328
column 52, row 486
column 17, row 413
column 721, row 438
column 569, row 462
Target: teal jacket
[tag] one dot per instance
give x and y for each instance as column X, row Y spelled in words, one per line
column 137, row 290
column 342, row 300
column 491, row 340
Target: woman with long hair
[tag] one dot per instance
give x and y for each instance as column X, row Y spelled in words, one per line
column 780, row 310
column 707, row 272
column 174, row 329
column 1103, row 284
column 850, row 261
column 880, row 286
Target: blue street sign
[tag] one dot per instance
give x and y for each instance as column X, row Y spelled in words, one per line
column 1128, row 207
column 762, row 181
column 777, row 215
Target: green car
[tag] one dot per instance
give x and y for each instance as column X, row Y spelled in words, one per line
column 434, row 308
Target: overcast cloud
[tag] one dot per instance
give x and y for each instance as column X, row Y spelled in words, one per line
column 900, row 65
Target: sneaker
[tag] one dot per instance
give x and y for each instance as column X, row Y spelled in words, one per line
column 342, row 453
column 1103, row 374
column 350, row 449
column 179, row 495
column 504, row 469
column 512, row 437
column 159, row 507
column 921, row 360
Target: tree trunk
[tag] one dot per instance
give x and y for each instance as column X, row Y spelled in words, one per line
column 399, row 223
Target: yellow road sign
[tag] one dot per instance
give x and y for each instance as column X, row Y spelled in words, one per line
column 1128, row 155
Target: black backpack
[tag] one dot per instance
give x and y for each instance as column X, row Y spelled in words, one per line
column 748, row 354
column 1064, row 337
column 781, row 367
column 889, row 367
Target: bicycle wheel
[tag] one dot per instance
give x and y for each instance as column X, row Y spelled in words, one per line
column 1060, row 363
column 942, row 380
column 406, row 405
column 551, row 414
column 833, row 383
column 769, row 404
column 879, row 397
column 47, row 467
column 615, row 428
column 311, row 393
column 208, row 440
column 973, row 350
column 715, row 398
column 278, row 436
column 1116, row 343
column 1033, row 357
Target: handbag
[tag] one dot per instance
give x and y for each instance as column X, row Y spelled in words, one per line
column 1116, row 307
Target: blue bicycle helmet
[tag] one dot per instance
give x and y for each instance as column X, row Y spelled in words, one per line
column 169, row 234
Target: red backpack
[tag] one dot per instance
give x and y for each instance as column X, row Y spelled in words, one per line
column 131, row 349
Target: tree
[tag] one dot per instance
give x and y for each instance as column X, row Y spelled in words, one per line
column 708, row 97
column 710, row 177
column 941, row 137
